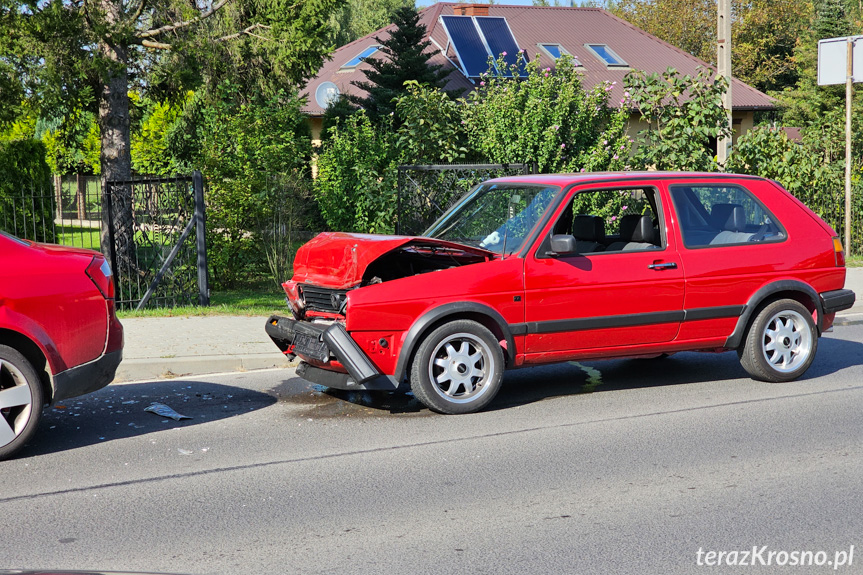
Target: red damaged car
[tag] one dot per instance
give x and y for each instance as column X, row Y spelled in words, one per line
column 59, row 336
column 532, row 270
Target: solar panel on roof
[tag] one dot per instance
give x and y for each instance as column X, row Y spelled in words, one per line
column 500, row 40
column 468, row 44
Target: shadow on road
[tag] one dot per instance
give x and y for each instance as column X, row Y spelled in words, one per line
column 117, row 412
column 529, row 385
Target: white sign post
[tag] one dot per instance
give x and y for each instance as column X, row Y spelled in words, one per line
column 840, row 61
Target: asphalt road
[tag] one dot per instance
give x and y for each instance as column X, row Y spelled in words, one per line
column 627, row 466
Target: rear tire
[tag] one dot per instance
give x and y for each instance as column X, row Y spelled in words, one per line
column 458, row 368
column 21, row 401
column 781, row 343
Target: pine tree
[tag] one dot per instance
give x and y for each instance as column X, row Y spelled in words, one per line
column 406, row 59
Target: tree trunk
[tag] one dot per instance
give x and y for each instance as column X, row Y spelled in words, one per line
column 117, row 218
column 116, row 158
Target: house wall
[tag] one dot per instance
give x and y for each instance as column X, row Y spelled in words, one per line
column 316, row 125
column 741, row 122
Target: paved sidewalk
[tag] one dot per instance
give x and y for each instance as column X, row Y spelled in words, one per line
column 172, row 346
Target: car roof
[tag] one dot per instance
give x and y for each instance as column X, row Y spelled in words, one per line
column 588, row 177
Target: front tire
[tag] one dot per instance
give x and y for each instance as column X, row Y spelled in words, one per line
column 20, row 401
column 458, row 368
column 781, row 343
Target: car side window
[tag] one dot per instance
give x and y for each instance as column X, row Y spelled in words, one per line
column 711, row 215
column 612, row 220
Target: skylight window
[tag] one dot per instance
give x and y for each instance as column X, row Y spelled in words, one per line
column 555, row 51
column 353, row 63
column 607, row 55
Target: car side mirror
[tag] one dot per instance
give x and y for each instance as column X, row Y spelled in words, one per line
column 562, row 244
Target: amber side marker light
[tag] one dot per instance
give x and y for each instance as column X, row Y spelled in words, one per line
column 839, row 253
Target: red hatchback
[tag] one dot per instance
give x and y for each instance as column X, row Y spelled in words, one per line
column 59, row 336
column 540, row 269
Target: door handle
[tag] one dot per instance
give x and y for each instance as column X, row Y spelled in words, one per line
column 665, row 266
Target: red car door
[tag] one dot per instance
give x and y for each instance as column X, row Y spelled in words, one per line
column 623, row 289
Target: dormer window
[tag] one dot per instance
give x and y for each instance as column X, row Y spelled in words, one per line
column 607, row 56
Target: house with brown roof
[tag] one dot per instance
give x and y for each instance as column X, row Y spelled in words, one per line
column 463, row 36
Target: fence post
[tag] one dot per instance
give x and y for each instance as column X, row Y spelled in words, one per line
column 201, row 236
column 108, row 219
column 58, row 196
column 399, row 188
column 79, row 196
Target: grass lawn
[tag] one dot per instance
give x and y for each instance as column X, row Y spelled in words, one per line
column 263, row 301
column 854, row 261
column 78, row 237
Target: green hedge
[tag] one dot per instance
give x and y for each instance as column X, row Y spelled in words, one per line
column 26, row 196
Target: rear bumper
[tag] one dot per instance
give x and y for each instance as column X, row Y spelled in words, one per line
column 322, row 344
column 86, row 378
column 837, row 300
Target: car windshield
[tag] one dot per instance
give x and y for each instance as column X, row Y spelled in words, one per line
column 496, row 217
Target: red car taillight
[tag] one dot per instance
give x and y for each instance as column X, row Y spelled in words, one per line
column 839, row 252
column 100, row 273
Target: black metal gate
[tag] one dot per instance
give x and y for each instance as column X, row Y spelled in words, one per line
column 156, row 241
column 425, row 192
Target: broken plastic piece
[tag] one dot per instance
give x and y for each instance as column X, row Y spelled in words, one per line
column 164, row 411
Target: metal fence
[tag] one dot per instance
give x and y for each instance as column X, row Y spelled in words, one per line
column 70, row 214
column 154, row 235
column 425, row 192
column 829, row 204
column 157, row 238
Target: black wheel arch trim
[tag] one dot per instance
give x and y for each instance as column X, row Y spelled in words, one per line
column 421, row 325
column 764, row 293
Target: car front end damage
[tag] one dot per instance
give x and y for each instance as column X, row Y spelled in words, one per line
column 327, row 271
column 330, row 355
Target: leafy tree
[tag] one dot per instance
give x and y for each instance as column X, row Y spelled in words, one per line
column 241, row 147
column 356, row 18
column 692, row 27
column 684, row 116
column 406, row 59
column 431, row 129
column 72, row 143
column 83, row 54
column 150, row 143
column 764, row 33
column 764, row 36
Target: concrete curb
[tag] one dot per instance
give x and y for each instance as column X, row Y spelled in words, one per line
column 136, row 369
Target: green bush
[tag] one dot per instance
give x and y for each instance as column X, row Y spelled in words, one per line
column 243, row 144
column 547, row 118
column 357, row 176
column 684, row 115
column 26, row 176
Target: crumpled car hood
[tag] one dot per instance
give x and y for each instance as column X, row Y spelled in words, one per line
column 338, row 260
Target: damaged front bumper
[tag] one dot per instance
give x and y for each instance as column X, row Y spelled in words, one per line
column 325, row 345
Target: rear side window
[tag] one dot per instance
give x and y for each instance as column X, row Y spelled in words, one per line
column 720, row 215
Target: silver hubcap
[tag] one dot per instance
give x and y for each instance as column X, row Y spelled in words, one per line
column 460, row 368
column 787, row 341
column 16, row 402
